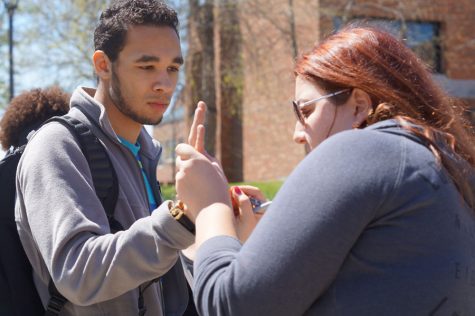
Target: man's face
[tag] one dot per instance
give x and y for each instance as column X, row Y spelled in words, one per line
column 145, row 73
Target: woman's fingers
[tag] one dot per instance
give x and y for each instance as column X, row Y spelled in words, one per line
column 244, row 202
column 253, row 191
column 246, row 219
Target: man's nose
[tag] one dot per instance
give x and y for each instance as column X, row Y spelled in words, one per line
column 163, row 82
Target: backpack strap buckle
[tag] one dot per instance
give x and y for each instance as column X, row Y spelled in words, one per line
column 56, row 301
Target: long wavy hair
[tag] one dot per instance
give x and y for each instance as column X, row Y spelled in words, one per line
column 401, row 87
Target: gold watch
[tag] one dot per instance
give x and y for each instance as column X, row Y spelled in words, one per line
column 177, row 210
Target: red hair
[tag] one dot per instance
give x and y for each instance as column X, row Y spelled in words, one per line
column 400, row 86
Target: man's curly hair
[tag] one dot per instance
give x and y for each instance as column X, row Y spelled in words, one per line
column 30, row 109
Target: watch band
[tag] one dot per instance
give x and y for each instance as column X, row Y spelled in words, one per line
column 177, row 210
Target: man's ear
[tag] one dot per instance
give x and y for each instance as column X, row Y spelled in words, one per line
column 362, row 106
column 102, row 65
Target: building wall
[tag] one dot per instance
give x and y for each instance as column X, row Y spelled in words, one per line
column 268, row 122
column 457, row 21
column 270, row 42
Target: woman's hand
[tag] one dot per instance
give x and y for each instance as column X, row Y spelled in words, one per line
column 253, row 192
column 246, row 219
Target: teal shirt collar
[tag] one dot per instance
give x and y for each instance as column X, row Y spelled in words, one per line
column 134, row 148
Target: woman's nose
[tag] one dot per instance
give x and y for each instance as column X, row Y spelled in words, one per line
column 299, row 134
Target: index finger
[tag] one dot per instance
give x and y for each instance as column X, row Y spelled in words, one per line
column 253, row 191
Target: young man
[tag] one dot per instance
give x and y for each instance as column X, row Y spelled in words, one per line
column 62, row 223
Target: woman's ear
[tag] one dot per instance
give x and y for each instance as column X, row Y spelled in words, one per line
column 102, row 65
column 362, row 106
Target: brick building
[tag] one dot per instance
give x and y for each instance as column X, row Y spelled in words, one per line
column 254, row 44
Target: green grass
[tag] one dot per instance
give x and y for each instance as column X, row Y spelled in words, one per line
column 269, row 188
column 168, row 191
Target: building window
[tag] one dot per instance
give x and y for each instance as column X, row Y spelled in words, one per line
column 422, row 37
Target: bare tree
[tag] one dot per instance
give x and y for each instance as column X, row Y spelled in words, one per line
column 200, row 65
column 58, row 41
column 4, row 94
column 229, row 88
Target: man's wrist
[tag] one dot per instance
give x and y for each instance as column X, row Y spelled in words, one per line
column 177, row 211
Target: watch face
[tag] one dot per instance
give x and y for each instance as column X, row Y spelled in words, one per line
column 176, row 212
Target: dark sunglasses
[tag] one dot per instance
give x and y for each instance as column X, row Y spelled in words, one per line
column 298, row 107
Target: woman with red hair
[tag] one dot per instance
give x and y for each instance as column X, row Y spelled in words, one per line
column 377, row 220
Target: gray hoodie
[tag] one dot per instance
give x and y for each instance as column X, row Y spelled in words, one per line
column 65, row 232
column 367, row 224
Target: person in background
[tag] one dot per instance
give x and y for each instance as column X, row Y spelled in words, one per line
column 378, row 219
column 27, row 111
column 62, row 223
column 25, row 114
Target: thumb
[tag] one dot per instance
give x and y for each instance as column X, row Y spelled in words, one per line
column 185, row 151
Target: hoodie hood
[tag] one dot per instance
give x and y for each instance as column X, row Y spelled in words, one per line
column 393, row 127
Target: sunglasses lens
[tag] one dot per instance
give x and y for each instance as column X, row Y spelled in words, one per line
column 297, row 112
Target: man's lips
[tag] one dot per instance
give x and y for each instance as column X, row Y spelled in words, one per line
column 158, row 104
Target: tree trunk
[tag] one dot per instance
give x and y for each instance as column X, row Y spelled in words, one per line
column 200, row 69
column 230, row 89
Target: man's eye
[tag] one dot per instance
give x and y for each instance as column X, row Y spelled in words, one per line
column 146, row 67
column 173, row 69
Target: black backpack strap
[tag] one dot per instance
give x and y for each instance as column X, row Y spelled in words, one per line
column 105, row 183
column 103, row 173
column 56, row 300
column 141, row 303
